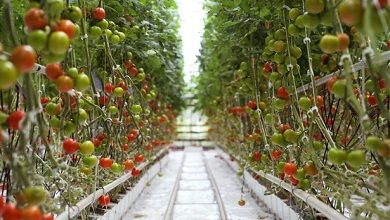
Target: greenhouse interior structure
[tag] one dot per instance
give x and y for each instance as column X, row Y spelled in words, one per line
column 195, row 109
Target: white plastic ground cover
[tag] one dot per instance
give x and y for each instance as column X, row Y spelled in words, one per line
column 125, row 203
column 71, row 212
column 281, row 209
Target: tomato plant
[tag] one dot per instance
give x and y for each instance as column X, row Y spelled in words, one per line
column 304, row 65
column 58, row 122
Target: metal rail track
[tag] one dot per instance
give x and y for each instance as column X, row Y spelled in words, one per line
column 221, row 206
column 172, row 198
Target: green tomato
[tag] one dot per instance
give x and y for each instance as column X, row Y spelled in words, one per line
column 310, row 21
column 137, row 118
column 69, row 128
column 58, row 43
column 269, row 118
column 103, row 24
column 122, row 36
column 305, row 103
column 294, row 13
column 3, row 117
column 37, row 39
column 73, row 72
column 136, row 109
column 35, row 195
column 317, row 145
column 55, row 122
column 300, row 174
column 108, row 32
column 304, row 184
column 296, row 52
column 279, row 104
column 340, row 88
column 83, row 115
column 374, row 143
column 113, row 109
column 55, row 7
column 8, row 74
column 87, row 148
column 290, row 136
column 115, row 39
column 140, row 77
column 53, row 108
column 280, row 167
column 74, row 13
column 116, row 168
column 90, row 161
column 280, row 34
column 118, row 92
column 82, row 82
column 293, row 30
column 356, row 158
column 337, row 156
column 278, row 139
column 299, row 22
column 95, row 32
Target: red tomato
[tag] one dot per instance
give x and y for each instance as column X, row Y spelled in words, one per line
column 135, row 172
column 330, row 83
column 24, row 58
column 267, row 67
column 11, row 212
column 256, row 156
column 293, row 181
column 320, row 101
column 1, row 200
column 35, row 18
column 64, row 83
column 65, row 26
column 96, row 142
column 276, row 154
column 48, row 216
column 128, row 164
column 134, row 131
column 70, row 146
column 252, row 105
column 132, row 71
column 44, row 100
column 15, row 119
column 99, row 14
column 31, row 213
column 104, row 200
column 382, row 84
column 128, row 64
column 101, row 136
column 105, row 162
column 125, row 147
column 149, row 147
column 139, row 158
column 122, row 85
column 109, row 88
column 372, row 100
column 281, row 176
column 282, row 93
column 131, row 137
column 53, row 71
column 290, row 168
column 103, row 100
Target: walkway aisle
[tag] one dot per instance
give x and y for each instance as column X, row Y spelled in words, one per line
column 151, row 204
column 230, row 187
column 195, row 198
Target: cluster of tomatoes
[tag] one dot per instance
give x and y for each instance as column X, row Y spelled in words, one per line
column 27, row 207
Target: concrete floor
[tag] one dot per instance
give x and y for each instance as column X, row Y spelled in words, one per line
column 195, row 198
